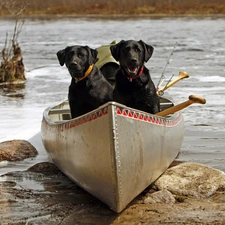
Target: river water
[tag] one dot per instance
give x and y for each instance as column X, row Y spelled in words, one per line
column 196, row 45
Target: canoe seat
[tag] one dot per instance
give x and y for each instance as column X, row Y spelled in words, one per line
column 60, row 114
column 59, row 111
column 165, row 105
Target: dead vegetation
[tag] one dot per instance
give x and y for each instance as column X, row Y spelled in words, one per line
column 12, row 67
column 129, row 7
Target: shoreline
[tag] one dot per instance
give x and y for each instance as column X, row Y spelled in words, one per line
column 58, row 200
column 112, row 16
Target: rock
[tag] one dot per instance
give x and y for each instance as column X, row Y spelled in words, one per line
column 163, row 196
column 44, row 167
column 16, row 150
column 192, row 179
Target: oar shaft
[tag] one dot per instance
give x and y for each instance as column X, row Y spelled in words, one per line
column 181, row 76
column 173, row 109
column 174, row 81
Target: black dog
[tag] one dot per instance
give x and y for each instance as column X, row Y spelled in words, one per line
column 88, row 89
column 134, row 86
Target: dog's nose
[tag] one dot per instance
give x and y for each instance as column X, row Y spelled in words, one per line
column 133, row 60
column 73, row 64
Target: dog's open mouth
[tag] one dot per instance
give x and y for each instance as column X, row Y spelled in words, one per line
column 132, row 70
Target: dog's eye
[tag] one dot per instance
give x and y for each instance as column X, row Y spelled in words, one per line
column 138, row 50
column 80, row 55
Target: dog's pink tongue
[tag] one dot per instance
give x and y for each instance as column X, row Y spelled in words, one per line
column 133, row 69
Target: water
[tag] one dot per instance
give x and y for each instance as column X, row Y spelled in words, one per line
column 197, row 46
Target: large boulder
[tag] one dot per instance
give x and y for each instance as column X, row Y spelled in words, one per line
column 16, row 150
column 192, row 179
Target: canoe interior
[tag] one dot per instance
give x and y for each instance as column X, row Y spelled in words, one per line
column 113, row 152
column 61, row 112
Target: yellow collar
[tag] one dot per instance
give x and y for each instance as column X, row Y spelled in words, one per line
column 86, row 73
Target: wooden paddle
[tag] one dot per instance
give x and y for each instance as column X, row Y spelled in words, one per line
column 192, row 99
column 181, row 76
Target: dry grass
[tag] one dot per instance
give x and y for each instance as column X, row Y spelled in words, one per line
column 102, row 7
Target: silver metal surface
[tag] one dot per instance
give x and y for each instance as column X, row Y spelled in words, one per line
column 113, row 152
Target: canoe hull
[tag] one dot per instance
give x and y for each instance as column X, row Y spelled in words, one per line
column 113, row 152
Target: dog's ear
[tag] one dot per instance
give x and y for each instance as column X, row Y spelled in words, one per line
column 94, row 54
column 115, row 50
column 92, row 58
column 148, row 50
column 61, row 56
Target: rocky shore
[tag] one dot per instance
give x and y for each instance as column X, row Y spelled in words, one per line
column 187, row 193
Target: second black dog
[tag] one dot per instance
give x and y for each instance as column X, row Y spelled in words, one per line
column 88, row 89
column 134, row 86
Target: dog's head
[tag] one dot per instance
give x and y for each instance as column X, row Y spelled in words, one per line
column 131, row 55
column 77, row 59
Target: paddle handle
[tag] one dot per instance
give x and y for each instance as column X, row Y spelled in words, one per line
column 181, row 76
column 192, row 99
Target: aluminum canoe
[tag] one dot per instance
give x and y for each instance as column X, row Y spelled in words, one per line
column 113, row 152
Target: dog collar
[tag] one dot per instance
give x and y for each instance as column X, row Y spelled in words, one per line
column 132, row 78
column 86, row 73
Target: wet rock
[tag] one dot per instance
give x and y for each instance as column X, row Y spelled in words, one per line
column 16, row 150
column 44, row 167
column 163, row 196
column 192, row 179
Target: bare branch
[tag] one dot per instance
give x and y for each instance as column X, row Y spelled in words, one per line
column 14, row 7
column 5, row 54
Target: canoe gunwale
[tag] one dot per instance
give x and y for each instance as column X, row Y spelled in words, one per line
column 137, row 114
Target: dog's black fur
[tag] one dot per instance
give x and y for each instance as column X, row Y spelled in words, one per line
column 90, row 92
column 134, row 86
